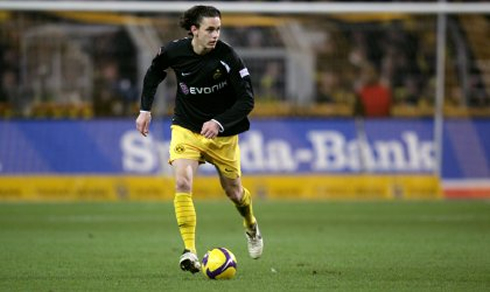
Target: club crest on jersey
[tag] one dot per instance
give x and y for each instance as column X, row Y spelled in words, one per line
column 217, row 74
column 179, row 148
column 184, row 88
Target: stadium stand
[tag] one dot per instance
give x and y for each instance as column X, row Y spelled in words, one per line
column 308, row 66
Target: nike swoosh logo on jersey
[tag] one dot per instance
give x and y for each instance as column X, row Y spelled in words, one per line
column 186, row 73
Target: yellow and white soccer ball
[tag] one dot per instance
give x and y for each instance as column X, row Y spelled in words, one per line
column 219, row 263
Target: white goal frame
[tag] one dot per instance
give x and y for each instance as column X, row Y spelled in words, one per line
column 263, row 7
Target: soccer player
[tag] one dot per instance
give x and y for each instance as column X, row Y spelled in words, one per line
column 214, row 98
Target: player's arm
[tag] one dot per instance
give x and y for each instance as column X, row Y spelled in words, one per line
column 143, row 122
column 211, row 129
column 242, row 84
column 153, row 77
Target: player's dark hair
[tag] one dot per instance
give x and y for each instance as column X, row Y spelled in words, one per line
column 194, row 16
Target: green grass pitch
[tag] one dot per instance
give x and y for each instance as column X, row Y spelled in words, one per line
column 309, row 246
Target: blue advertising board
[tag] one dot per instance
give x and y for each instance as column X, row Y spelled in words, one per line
column 272, row 146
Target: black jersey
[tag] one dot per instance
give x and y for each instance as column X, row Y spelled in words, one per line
column 216, row 86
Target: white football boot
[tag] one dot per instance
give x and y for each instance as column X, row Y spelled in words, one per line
column 189, row 262
column 255, row 242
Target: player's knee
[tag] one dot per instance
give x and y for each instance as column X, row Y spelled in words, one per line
column 183, row 184
column 234, row 194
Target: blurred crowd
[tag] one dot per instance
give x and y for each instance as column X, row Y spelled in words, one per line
column 374, row 65
column 9, row 67
column 53, row 78
column 368, row 66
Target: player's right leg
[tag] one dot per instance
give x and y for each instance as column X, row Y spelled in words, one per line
column 185, row 158
column 186, row 220
column 185, row 212
column 189, row 262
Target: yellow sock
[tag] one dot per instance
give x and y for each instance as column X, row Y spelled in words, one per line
column 245, row 209
column 186, row 219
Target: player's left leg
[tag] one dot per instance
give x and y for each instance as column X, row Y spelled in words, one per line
column 242, row 199
column 224, row 153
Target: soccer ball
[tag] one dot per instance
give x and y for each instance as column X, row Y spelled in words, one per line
column 219, row 263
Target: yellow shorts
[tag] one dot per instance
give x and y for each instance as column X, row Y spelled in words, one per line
column 222, row 152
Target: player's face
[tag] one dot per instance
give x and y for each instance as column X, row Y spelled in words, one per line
column 207, row 35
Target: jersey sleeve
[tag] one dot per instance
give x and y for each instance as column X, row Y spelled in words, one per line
column 154, row 76
column 242, row 85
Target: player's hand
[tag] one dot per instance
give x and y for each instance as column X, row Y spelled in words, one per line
column 210, row 129
column 143, row 123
